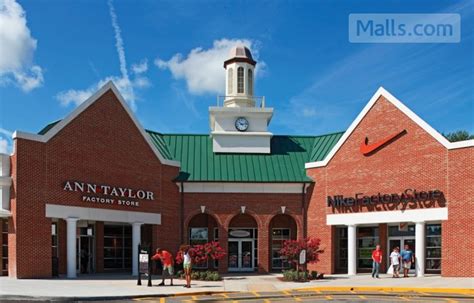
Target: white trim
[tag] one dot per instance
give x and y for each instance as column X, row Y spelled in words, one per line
column 98, row 214
column 227, row 187
column 5, row 213
column 237, row 133
column 61, row 124
column 415, row 215
column 403, row 108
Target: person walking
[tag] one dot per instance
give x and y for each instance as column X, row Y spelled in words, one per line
column 166, row 259
column 407, row 259
column 187, row 265
column 376, row 260
column 395, row 261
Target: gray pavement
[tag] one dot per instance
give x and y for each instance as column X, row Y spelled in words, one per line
column 107, row 286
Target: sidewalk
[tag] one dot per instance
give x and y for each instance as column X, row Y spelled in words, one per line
column 105, row 286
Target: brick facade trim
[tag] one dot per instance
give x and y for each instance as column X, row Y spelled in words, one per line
column 381, row 92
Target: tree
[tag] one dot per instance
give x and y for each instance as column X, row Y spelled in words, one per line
column 292, row 249
column 459, row 135
column 201, row 253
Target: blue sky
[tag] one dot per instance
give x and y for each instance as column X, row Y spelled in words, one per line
column 309, row 72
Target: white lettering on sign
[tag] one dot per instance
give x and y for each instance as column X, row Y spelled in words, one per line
column 106, row 194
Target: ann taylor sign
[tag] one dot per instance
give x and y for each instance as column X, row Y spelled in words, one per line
column 107, row 194
column 405, row 197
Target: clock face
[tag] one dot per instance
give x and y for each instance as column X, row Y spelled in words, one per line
column 241, row 124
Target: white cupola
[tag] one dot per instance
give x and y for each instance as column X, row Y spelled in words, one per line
column 239, row 122
column 240, row 71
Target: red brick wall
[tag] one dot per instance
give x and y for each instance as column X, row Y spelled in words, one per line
column 458, row 231
column 415, row 160
column 101, row 145
column 262, row 207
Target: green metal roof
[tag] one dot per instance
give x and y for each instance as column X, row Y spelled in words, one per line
column 48, row 127
column 286, row 163
column 199, row 163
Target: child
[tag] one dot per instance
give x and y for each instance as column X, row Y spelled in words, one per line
column 395, row 260
column 187, row 265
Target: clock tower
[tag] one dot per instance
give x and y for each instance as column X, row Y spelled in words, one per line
column 239, row 122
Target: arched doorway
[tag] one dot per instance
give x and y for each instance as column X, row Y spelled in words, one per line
column 282, row 227
column 203, row 228
column 242, row 246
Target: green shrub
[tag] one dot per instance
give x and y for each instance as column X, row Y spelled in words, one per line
column 207, row 275
column 314, row 275
column 293, row 275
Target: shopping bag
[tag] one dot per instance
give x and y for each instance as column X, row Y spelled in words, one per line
column 390, row 270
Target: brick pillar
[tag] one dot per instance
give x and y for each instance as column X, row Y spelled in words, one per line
column 62, row 246
column 383, row 241
column 12, row 247
column 99, row 247
column 223, row 242
column 263, row 250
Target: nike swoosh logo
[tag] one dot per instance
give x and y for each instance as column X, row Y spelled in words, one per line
column 366, row 148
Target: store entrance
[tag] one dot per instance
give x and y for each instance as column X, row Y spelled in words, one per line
column 400, row 242
column 241, row 255
column 85, row 253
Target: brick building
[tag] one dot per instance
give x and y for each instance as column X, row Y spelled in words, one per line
column 80, row 195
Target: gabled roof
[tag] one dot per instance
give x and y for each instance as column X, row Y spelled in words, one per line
column 52, row 129
column 285, row 164
column 403, row 108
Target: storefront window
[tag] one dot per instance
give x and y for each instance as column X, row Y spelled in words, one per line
column 197, row 236
column 342, row 249
column 394, row 231
column 367, row 239
column 54, row 239
column 433, row 248
column 117, row 246
column 279, row 235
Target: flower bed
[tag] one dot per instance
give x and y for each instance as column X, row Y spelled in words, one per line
column 301, row 276
column 202, row 275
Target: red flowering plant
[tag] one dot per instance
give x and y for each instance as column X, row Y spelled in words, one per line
column 292, row 249
column 201, row 253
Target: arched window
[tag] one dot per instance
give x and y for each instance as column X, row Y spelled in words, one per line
column 250, row 82
column 230, row 81
column 240, row 80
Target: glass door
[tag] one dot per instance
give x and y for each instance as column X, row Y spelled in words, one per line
column 246, row 251
column 400, row 242
column 233, row 254
column 240, row 254
column 411, row 245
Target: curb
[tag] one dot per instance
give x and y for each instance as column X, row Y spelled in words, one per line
column 459, row 291
column 107, row 298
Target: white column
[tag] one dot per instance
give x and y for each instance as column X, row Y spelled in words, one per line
column 351, row 250
column 420, row 249
column 136, row 236
column 71, row 246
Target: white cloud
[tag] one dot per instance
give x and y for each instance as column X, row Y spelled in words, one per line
column 309, row 112
column 125, row 85
column 5, row 141
column 78, row 96
column 140, row 68
column 202, row 68
column 17, row 48
column 4, row 149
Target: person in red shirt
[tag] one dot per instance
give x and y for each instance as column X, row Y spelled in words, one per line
column 376, row 260
column 166, row 259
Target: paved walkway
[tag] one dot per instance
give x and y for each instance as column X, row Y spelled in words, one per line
column 97, row 286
